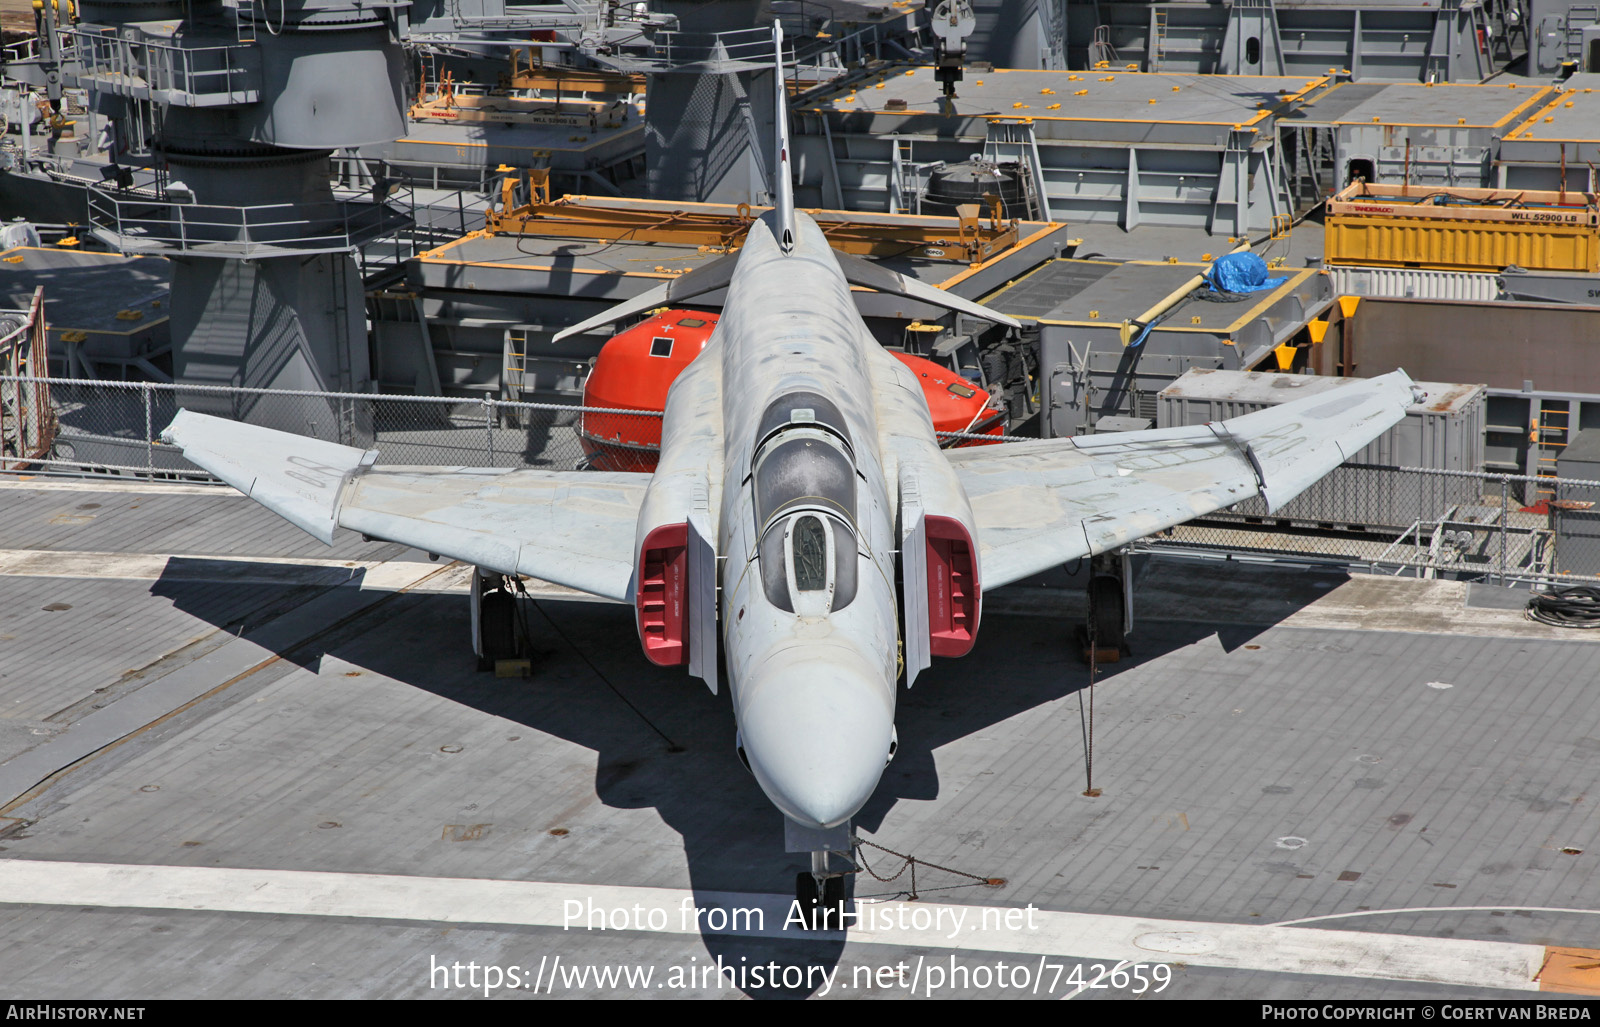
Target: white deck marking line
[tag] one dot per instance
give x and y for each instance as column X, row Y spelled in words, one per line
column 1355, row 954
column 381, row 575
column 1434, row 909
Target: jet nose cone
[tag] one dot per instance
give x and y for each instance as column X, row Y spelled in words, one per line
column 816, row 730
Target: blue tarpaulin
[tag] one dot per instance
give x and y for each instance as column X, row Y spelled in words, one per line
column 1241, row 272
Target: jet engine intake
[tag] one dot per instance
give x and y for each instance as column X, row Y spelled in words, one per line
column 954, row 596
column 661, row 595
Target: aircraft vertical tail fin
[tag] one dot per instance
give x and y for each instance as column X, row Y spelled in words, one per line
column 782, row 172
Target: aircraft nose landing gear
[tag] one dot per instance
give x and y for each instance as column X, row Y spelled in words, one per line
column 820, row 892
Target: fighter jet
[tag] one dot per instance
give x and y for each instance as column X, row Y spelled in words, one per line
column 802, row 515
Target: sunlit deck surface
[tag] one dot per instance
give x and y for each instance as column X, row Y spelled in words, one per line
column 186, row 681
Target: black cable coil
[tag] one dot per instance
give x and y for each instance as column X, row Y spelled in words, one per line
column 1577, row 607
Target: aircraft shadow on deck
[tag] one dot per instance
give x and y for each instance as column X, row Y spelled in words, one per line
column 732, row 836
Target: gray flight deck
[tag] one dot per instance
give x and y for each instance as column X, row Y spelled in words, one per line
column 210, row 688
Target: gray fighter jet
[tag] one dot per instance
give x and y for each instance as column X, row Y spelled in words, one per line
column 802, row 513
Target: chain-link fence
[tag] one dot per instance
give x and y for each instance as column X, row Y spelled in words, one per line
column 115, row 427
column 1397, row 520
column 1417, row 521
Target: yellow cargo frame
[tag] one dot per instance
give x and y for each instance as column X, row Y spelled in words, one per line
column 1483, row 230
column 721, row 228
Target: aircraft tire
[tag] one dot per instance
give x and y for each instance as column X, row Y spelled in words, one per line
column 806, row 893
column 498, row 623
column 833, row 896
column 1105, row 607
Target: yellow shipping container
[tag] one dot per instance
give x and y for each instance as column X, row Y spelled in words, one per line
column 1462, row 229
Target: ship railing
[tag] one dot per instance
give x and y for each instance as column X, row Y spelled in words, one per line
column 453, row 209
column 27, row 417
column 22, row 50
column 185, row 75
column 139, row 225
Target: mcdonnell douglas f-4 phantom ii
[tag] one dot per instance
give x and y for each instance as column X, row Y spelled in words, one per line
column 799, row 481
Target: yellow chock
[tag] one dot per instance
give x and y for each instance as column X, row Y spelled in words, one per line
column 1285, row 355
column 513, row 668
column 1317, row 329
column 1348, row 305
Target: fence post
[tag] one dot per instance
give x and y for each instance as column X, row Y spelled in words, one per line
column 1505, row 513
column 149, row 431
column 488, row 428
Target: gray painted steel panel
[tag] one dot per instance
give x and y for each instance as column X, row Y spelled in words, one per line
column 1445, row 432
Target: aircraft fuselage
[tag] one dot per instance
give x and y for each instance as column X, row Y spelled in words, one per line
column 806, row 522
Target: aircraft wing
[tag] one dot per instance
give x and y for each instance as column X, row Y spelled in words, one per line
column 575, row 528
column 1040, row 504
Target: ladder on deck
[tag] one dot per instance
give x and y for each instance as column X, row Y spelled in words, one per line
column 1011, row 141
column 1579, row 17
column 1158, row 37
column 244, row 20
column 905, row 192
column 1550, row 433
column 1101, row 52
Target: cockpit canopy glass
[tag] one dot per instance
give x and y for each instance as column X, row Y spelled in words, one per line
column 808, row 549
column 808, row 564
column 805, row 506
column 796, row 408
column 804, row 467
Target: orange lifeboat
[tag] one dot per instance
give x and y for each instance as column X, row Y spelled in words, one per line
column 635, row 368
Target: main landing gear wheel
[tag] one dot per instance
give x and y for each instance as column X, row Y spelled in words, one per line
column 1105, row 610
column 498, row 610
column 1105, row 632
